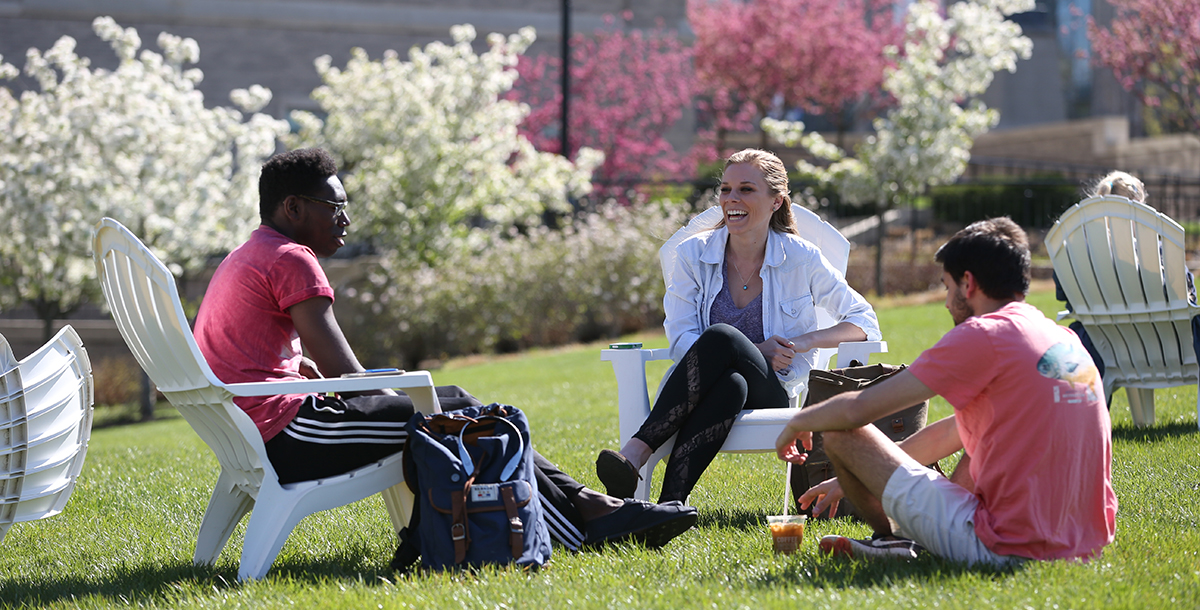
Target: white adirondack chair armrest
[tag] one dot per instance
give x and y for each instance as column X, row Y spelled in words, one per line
column 1062, row 315
column 859, row 350
column 414, row 379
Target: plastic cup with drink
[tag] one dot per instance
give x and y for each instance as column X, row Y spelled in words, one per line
column 787, row 531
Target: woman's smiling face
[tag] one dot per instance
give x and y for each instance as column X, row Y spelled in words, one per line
column 746, row 199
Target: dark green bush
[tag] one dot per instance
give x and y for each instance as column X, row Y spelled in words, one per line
column 1031, row 202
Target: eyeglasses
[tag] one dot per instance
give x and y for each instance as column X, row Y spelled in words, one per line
column 338, row 208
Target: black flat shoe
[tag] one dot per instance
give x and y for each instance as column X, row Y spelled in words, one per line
column 618, row 475
column 653, row 525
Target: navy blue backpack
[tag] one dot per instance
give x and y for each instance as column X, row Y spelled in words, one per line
column 477, row 498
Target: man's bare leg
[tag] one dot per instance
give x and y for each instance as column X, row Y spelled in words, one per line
column 962, row 474
column 864, row 460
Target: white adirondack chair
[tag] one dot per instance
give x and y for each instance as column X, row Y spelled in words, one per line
column 1121, row 265
column 45, row 424
column 754, row 430
column 142, row 295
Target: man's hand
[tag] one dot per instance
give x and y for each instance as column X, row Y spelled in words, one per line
column 827, row 493
column 778, row 351
column 786, row 445
column 309, row 370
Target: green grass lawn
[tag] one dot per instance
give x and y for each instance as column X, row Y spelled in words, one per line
column 127, row 535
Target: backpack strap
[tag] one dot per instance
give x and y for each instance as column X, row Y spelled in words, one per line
column 516, row 529
column 458, row 525
column 510, row 467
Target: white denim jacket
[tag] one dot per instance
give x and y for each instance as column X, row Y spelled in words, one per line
column 796, row 278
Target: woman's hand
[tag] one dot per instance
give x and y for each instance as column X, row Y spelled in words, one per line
column 778, row 351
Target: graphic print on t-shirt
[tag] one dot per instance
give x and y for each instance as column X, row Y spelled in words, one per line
column 1071, row 363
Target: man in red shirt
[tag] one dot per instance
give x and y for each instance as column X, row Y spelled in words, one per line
column 1029, row 411
column 269, row 302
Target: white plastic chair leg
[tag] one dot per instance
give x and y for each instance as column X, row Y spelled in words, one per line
column 227, row 506
column 1141, row 406
column 266, row 532
column 647, row 471
column 424, row 399
column 399, row 500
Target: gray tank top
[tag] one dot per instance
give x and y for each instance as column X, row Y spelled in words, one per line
column 748, row 319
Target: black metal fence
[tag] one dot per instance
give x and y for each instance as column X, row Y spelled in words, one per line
column 1044, row 189
column 1033, row 193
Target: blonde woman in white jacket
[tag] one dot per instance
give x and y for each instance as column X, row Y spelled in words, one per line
column 741, row 323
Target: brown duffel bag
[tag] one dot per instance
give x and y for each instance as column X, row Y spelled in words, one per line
column 823, row 385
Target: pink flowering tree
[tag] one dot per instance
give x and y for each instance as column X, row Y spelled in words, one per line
column 817, row 55
column 627, row 89
column 1153, row 48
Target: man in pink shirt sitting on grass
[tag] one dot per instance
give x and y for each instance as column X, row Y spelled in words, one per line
column 1029, row 410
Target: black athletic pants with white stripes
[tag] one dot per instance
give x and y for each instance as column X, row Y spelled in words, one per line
column 330, row 436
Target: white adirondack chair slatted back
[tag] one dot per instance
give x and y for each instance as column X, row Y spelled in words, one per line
column 233, row 437
column 1124, row 272
column 46, row 406
column 139, row 292
column 144, row 300
column 1121, row 265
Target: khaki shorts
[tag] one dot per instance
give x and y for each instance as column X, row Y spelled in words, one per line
column 926, row 507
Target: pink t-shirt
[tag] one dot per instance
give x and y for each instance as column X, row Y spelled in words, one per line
column 1030, row 410
column 244, row 329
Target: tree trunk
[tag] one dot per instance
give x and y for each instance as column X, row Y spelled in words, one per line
column 762, row 133
column 912, row 232
column 47, row 312
column 146, row 399
column 841, row 130
column 880, row 213
column 47, row 329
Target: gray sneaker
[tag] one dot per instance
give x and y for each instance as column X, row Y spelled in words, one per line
column 883, row 546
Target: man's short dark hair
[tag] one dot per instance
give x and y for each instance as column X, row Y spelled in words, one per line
column 995, row 251
column 296, row 172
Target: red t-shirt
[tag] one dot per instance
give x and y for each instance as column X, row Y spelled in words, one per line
column 1030, row 410
column 244, row 329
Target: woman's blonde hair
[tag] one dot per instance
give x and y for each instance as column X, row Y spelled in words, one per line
column 777, row 181
column 1122, row 185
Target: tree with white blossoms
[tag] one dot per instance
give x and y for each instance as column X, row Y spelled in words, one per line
column 925, row 139
column 135, row 143
column 430, row 149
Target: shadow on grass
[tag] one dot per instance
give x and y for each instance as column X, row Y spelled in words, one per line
column 736, row 518
column 846, row 573
column 164, row 585
column 1154, row 433
column 842, row 572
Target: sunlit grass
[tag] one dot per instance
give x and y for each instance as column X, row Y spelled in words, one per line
column 127, row 536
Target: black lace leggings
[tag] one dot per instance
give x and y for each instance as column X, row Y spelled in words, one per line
column 720, row 375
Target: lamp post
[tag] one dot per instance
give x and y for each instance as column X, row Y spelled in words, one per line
column 566, row 77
